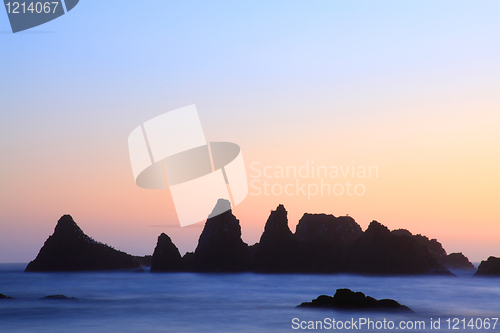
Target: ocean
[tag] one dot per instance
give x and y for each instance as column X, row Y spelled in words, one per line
column 246, row 302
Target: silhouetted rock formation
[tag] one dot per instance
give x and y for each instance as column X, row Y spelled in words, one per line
column 69, row 249
column 321, row 244
column 59, row 297
column 453, row 260
column 456, row 261
column 278, row 249
column 346, row 299
column 379, row 251
column 435, row 248
column 2, row 296
column 324, row 241
column 220, row 247
column 166, row 257
column 490, row 267
column 144, row 261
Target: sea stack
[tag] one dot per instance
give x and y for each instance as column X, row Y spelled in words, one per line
column 436, row 249
column 220, row 247
column 324, row 241
column 70, row 249
column 490, row 267
column 278, row 249
column 381, row 252
column 166, row 257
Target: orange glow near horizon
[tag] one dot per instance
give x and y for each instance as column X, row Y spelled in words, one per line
column 442, row 183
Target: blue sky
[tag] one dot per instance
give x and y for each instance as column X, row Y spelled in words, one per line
column 388, row 82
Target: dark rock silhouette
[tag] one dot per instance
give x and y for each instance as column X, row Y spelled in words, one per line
column 220, row 247
column 324, row 241
column 435, row 248
column 490, row 267
column 144, row 261
column 456, row 261
column 381, row 252
column 166, row 257
column 278, row 249
column 2, row 296
column 59, row 297
column 402, row 232
column 321, row 244
column 314, row 227
column 346, row 299
column 70, row 249
column 453, row 260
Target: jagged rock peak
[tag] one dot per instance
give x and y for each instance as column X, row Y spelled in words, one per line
column 163, row 238
column 489, row 267
column 220, row 247
column 222, row 206
column 277, row 223
column 375, row 228
column 166, row 256
column 278, row 248
column 221, row 224
column 70, row 249
column 402, row 232
column 67, row 226
column 457, row 260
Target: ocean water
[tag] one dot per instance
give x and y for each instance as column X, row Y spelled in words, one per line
column 188, row 302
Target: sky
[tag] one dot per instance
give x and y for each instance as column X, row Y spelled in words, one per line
column 409, row 88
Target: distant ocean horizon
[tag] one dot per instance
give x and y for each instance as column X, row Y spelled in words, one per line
column 239, row 302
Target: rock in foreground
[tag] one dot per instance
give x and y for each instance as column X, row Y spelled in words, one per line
column 346, row 299
column 490, row 267
column 70, row 249
column 58, row 297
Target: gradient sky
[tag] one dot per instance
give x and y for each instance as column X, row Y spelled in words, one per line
column 411, row 87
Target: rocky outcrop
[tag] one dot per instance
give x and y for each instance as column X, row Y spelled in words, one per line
column 70, row 249
column 379, row 251
column 456, row 261
column 435, row 248
column 453, row 260
column 346, row 299
column 166, row 257
column 322, row 227
column 278, row 249
column 144, row 261
column 321, row 244
column 220, row 247
column 324, row 241
column 2, row 296
column 59, row 297
column 490, row 267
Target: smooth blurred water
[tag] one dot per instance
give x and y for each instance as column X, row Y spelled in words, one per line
column 187, row 302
